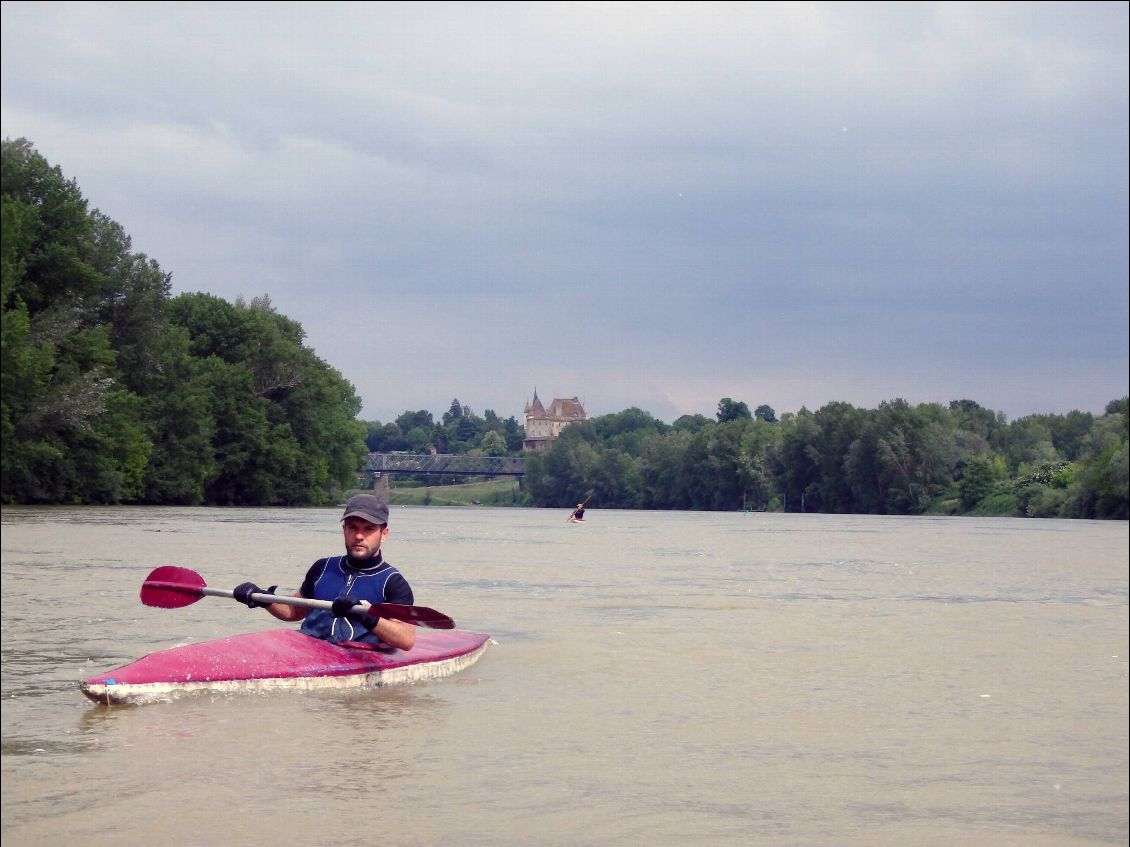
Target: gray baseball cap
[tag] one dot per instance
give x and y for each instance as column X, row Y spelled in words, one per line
column 367, row 506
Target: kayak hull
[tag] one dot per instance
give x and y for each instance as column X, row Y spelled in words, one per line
column 283, row 659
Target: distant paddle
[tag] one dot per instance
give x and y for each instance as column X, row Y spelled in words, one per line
column 170, row 587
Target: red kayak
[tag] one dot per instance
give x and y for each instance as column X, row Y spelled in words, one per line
column 283, row 658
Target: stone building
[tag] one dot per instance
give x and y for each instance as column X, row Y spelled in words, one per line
column 543, row 424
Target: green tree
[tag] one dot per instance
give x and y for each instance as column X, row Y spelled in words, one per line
column 514, row 433
column 411, row 420
column 627, row 430
column 661, row 465
column 759, row 442
column 455, row 412
column 556, row 474
column 863, row 471
column 797, row 462
column 284, row 424
column 65, row 408
column 695, row 481
column 973, row 418
column 1101, row 488
column 691, row 423
column 181, row 426
column 838, row 426
column 729, row 410
column 493, row 444
column 1025, row 443
column 384, row 438
column 977, row 482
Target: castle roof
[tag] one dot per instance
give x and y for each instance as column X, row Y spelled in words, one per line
column 567, row 409
column 535, row 409
column 561, row 409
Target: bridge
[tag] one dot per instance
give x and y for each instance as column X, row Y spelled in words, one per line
column 442, row 464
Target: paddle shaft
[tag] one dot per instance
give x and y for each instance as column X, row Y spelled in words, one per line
column 202, row 590
column 261, row 598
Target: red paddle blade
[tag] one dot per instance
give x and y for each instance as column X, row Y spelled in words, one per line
column 418, row 615
column 170, row 587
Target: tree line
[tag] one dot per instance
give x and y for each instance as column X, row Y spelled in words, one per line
column 115, row 392
column 897, row 459
column 459, row 430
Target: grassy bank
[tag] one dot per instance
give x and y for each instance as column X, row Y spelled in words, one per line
column 494, row 492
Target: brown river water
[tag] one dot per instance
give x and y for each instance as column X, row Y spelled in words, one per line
column 656, row 678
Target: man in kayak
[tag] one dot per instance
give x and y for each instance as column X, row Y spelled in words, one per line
column 361, row 575
column 578, row 515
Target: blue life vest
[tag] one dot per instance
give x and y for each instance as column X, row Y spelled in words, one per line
column 338, row 578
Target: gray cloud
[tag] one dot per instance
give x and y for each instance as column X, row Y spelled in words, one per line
column 654, row 205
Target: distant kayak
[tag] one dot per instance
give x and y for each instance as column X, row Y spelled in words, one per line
column 283, row 659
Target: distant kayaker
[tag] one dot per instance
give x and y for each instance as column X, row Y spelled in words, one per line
column 362, row 575
column 579, row 510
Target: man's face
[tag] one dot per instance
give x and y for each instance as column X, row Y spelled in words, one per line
column 363, row 539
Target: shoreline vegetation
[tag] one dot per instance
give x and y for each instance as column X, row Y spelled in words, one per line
column 508, row 492
column 117, row 392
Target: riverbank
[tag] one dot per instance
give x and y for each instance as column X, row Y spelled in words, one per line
column 494, row 492
column 506, row 492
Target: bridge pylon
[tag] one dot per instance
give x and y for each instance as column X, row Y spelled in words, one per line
column 380, row 486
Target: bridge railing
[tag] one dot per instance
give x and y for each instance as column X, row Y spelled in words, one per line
column 438, row 464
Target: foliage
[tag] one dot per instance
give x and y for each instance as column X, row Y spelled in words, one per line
column 492, row 444
column 977, row 481
column 997, row 504
column 730, row 410
column 896, row 459
column 115, row 393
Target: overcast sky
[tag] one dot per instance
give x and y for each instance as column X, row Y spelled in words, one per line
column 636, row 204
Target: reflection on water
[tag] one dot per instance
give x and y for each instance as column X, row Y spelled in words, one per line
column 657, row 678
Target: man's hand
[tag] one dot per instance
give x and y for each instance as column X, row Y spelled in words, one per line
column 244, row 590
column 343, row 603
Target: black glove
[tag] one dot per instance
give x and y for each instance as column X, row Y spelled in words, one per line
column 244, row 591
column 343, row 603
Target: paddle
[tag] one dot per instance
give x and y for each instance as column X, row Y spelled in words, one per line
column 170, row 587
